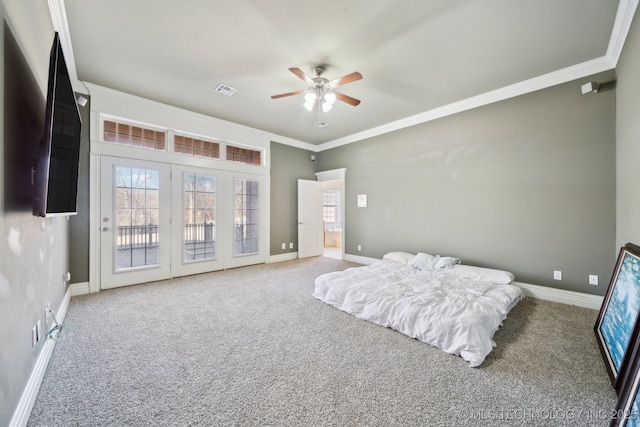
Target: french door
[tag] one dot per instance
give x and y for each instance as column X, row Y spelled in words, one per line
column 135, row 243
column 198, row 213
column 160, row 221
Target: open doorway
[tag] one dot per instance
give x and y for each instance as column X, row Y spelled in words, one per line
column 333, row 212
column 332, row 218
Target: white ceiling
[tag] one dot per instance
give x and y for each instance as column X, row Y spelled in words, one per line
column 415, row 56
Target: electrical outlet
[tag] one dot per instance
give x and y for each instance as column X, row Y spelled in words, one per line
column 359, row 247
column 47, row 314
column 284, row 246
column 557, row 275
column 593, row 279
column 291, row 245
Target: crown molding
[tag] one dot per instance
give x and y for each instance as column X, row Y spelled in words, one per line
column 61, row 25
column 294, row 143
column 537, row 83
column 622, row 24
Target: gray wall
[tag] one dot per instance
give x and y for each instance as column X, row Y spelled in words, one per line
column 527, row 185
column 79, row 224
column 33, row 252
column 628, row 139
column 288, row 164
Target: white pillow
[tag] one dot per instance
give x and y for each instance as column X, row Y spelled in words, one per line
column 446, row 262
column 403, row 258
column 482, row 274
column 428, row 262
column 424, row 261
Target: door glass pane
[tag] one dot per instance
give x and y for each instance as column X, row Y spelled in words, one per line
column 199, row 234
column 246, row 216
column 137, row 217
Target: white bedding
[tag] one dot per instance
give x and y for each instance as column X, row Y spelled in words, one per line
column 453, row 313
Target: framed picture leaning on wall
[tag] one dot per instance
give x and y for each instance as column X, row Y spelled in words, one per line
column 627, row 412
column 616, row 326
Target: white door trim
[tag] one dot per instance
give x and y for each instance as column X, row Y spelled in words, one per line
column 335, row 175
column 332, row 175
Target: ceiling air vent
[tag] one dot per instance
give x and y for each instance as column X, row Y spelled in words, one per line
column 321, row 124
column 225, row 90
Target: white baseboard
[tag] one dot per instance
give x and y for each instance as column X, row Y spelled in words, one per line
column 283, row 257
column 28, row 398
column 561, row 295
column 359, row 259
column 81, row 288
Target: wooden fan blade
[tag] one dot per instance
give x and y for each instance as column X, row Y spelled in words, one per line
column 355, row 76
column 345, row 98
column 298, row 72
column 282, row 95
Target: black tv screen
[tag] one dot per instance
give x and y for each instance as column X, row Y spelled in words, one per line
column 56, row 170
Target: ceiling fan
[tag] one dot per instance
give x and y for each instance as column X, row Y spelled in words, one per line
column 320, row 93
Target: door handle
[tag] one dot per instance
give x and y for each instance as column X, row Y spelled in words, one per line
column 105, row 228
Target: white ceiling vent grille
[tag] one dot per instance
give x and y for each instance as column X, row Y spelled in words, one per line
column 225, row 90
column 321, row 124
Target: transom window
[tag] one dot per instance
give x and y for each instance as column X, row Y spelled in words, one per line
column 120, row 131
column 134, row 136
column 244, row 155
column 196, row 147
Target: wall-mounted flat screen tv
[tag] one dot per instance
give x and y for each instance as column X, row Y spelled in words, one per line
column 56, row 169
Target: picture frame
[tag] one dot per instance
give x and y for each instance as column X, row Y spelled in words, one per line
column 617, row 322
column 627, row 411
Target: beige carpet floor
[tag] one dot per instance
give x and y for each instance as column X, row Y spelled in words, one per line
column 251, row 346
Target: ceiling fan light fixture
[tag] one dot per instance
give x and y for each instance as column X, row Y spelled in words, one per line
column 329, row 97
column 309, row 97
column 320, row 91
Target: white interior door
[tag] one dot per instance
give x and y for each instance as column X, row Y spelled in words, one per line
column 309, row 218
column 135, row 238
